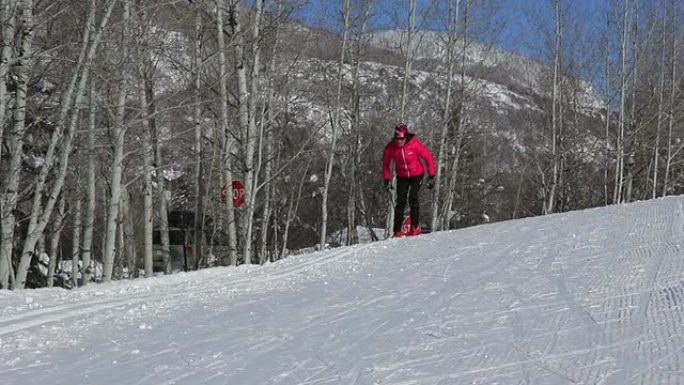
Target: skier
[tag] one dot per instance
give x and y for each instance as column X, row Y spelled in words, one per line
column 406, row 151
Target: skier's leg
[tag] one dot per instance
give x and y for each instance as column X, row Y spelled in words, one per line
column 414, row 202
column 402, row 192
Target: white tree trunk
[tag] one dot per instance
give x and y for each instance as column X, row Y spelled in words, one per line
column 76, row 241
column 55, row 235
column 408, row 58
column 123, row 255
column 247, row 117
column 254, row 135
column 146, row 75
column 22, row 73
column 452, row 22
column 87, row 249
column 7, row 18
column 127, row 248
column 335, row 122
column 225, row 136
column 354, row 195
column 659, row 121
column 148, row 168
column 266, row 133
column 633, row 121
column 147, row 146
column 292, row 210
column 619, row 171
column 607, row 129
column 198, row 225
column 163, row 207
column 119, row 134
column 555, row 115
column 461, row 111
column 673, row 88
column 243, row 119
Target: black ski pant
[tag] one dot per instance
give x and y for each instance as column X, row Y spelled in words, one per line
column 407, row 187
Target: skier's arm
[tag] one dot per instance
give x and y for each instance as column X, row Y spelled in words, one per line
column 427, row 156
column 386, row 159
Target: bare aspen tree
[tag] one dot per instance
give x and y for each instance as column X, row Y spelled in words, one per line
column 87, row 249
column 7, row 18
column 198, row 224
column 8, row 191
column 227, row 144
column 126, row 249
column 266, row 148
column 124, row 240
column 76, row 240
column 408, row 57
column 267, row 138
column 619, row 169
column 673, row 88
column 148, row 75
column 458, row 121
column 67, row 121
column 55, row 234
column 556, row 114
column 148, row 169
column 119, row 134
column 216, row 163
column 64, row 133
column 292, row 209
column 244, row 119
column 355, row 192
column 352, row 236
column 661, row 99
column 22, row 69
column 275, row 254
column 247, row 92
column 163, row 204
column 607, row 145
column 450, row 45
column 334, row 124
column 633, row 122
column 252, row 176
column 144, row 67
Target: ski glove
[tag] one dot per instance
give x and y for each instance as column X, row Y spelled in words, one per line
column 431, row 183
column 388, row 185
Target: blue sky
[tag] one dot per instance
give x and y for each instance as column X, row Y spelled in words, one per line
column 522, row 26
column 521, row 20
column 524, row 23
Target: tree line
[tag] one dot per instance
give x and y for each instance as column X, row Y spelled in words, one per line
column 123, row 124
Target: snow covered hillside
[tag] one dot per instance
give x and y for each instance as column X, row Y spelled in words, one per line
column 590, row 297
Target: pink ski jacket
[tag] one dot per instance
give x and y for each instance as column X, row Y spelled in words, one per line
column 407, row 158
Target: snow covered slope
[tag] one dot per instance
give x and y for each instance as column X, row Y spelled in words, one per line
column 591, row 297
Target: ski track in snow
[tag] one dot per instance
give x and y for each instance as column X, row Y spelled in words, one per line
column 590, row 297
column 51, row 314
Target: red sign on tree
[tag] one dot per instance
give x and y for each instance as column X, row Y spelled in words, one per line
column 238, row 193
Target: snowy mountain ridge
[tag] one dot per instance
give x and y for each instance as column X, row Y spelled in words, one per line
column 430, row 45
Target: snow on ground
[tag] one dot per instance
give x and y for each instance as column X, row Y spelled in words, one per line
column 590, row 297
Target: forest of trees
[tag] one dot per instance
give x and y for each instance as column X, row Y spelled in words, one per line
column 123, row 124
